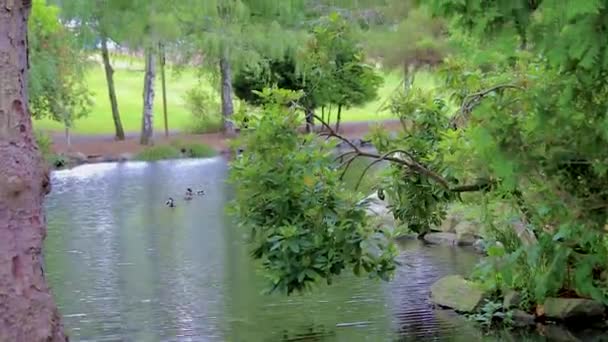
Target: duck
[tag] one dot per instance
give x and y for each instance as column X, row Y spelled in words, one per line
column 188, row 195
column 200, row 192
column 170, row 203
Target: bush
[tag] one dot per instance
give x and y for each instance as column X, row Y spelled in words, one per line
column 304, row 225
column 176, row 150
column 205, row 111
column 193, row 149
column 44, row 142
column 159, row 152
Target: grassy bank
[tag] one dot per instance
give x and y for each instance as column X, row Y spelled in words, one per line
column 128, row 78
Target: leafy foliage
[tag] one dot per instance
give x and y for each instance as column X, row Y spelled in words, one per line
column 531, row 119
column 281, row 73
column 414, row 198
column 304, row 226
column 56, row 79
column 334, row 64
column 175, row 150
column 204, row 109
column 520, row 119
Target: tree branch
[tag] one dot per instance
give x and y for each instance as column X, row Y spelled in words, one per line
column 471, row 100
column 412, row 164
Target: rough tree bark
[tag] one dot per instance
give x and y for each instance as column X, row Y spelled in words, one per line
column 27, row 309
column 105, row 56
column 227, row 105
column 149, row 77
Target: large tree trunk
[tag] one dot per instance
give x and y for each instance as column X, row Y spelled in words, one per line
column 150, row 75
column 27, row 309
column 227, row 105
column 105, row 56
column 164, row 86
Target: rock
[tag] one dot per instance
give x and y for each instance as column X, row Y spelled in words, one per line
column 512, row 299
column 480, row 246
column 456, row 293
column 379, row 209
column 524, row 233
column 125, row 156
column 557, row 333
column 77, row 157
column 447, row 239
column 95, row 159
column 452, row 218
column 573, row 309
column 467, row 228
column 108, row 159
column 522, row 319
column 466, row 240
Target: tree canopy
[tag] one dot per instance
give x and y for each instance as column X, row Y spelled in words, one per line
column 518, row 119
column 57, row 86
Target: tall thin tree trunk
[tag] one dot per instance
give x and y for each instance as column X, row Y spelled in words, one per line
column 338, row 118
column 148, row 96
column 408, row 76
column 310, row 119
column 323, row 117
column 164, row 86
column 27, row 309
column 227, row 105
column 105, row 56
column 68, row 140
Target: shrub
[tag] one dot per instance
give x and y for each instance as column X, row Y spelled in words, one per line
column 193, row 149
column 159, row 152
column 204, row 110
column 175, row 150
column 44, row 142
column 304, row 226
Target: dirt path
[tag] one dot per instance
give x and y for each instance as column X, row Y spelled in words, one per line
column 105, row 145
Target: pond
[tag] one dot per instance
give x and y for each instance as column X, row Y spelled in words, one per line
column 125, row 267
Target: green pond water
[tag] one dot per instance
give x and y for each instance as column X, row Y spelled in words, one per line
column 124, row 267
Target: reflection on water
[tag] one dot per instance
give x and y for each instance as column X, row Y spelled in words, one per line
column 124, row 267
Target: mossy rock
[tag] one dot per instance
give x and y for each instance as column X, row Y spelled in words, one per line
column 512, row 299
column 457, row 293
column 573, row 309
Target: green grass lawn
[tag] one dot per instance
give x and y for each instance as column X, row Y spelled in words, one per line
column 128, row 79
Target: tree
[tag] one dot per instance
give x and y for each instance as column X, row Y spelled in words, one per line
column 527, row 81
column 57, row 86
column 28, row 312
column 234, row 33
column 408, row 42
column 334, row 64
column 328, row 231
column 162, row 56
column 147, row 24
column 99, row 21
column 148, row 98
column 333, row 71
column 283, row 73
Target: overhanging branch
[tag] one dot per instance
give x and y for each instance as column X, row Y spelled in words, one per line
column 393, row 157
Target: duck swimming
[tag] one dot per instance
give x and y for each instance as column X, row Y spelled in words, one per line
column 189, row 194
column 200, row 192
column 170, row 203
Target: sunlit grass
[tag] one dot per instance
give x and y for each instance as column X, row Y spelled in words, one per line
column 128, row 78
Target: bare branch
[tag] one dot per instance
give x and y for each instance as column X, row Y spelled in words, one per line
column 346, row 165
column 341, row 157
column 472, row 100
column 367, row 168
